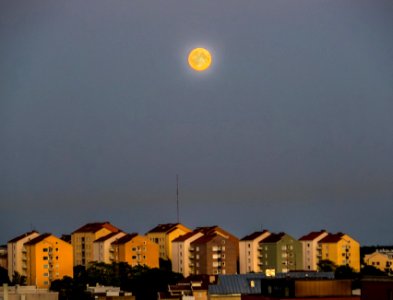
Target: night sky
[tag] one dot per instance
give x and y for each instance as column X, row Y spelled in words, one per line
column 291, row 129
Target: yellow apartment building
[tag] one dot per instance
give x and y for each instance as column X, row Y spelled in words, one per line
column 83, row 239
column 164, row 234
column 381, row 259
column 341, row 249
column 48, row 258
column 136, row 250
column 17, row 253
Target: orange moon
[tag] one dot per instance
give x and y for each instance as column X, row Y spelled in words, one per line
column 199, row 59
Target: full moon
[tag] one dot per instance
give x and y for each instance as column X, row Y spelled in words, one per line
column 199, row 59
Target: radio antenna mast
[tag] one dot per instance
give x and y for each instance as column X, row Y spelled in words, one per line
column 177, row 198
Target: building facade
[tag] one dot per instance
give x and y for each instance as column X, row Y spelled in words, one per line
column 380, row 259
column 249, row 252
column 103, row 251
column 216, row 252
column 341, row 249
column 136, row 250
column 17, row 259
column 279, row 253
column 181, row 256
column 310, row 247
column 83, row 239
column 48, row 258
column 164, row 234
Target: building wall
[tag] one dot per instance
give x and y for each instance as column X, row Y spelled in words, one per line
column 48, row 260
column 138, row 251
column 282, row 256
column 310, row 253
column 249, row 254
column 102, row 250
column 217, row 256
column 379, row 260
column 164, row 240
column 344, row 252
column 83, row 245
column 17, row 255
column 181, row 255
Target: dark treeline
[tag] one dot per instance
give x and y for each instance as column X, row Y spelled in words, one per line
column 141, row 281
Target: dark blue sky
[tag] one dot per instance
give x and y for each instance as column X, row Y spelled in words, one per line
column 290, row 130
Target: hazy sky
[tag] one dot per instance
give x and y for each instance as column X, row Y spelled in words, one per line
column 290, row 130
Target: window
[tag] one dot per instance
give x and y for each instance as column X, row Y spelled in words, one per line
column 46, row 274
column 45, row 250
column 46, row 266
column 45, row 258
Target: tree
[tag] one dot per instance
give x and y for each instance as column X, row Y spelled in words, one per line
column 326, row 265
column 4, row 276
column 18, row 279
column 371, row 271
column 345, row 272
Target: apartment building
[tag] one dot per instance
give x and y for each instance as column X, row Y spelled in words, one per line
column 216, row 252
column 381, row 259
column 310, row 246
column 102, row 247
column 17, row 260
column 249, row 251
column 164, row 234
column 48, row 258
column 181, row 257
column 83, row 239
column 279, row 253
column 341, row 249
column 135, row 250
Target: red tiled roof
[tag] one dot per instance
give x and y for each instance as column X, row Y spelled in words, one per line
column 253, row 236
column 94, row 227
column 274, row 238
column 312, row 235
column 14, row 240
column 332, row 238
column 164, row 227
column 125, row 239
column 38, row 239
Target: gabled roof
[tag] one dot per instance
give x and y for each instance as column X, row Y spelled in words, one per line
column 215, row 230
column 162, row 228
column 185, row 237
column 106, row 237
column 94, row 227
column 332, row 238
column 125, row 239
column 274, row 237
column 22, row 236
column 38, row 239
column 206, row 238
column 312, row 235
column 254, row 235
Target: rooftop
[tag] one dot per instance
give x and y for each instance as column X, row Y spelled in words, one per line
column 94, row 227
column 22, row 236
column 38, row 239
column 312, row 235
column 254, row 235
column 164, row 228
